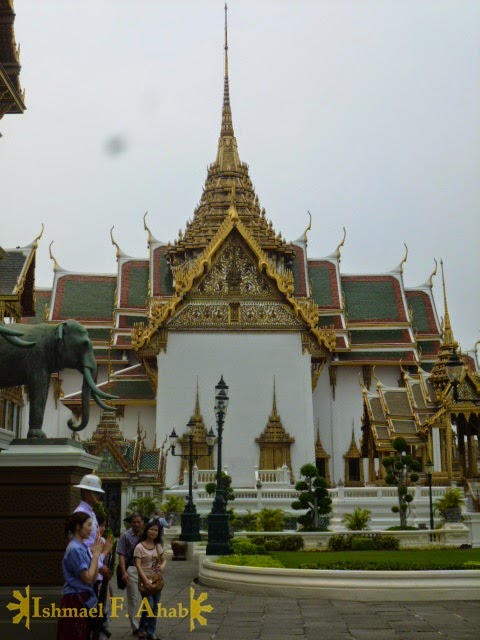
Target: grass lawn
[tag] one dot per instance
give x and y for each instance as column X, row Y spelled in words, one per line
column 394, row 560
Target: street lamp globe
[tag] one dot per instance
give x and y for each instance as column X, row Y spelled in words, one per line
column 429, row 467
column 173, row 438
column 211, row 438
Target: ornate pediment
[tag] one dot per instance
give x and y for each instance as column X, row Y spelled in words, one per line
column 234, row 274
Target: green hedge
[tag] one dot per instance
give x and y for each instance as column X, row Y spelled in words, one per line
column 251, row 561
column 377, row 541
column 389, row 565
column 247, row 548
column 286, row 543
column 362, row 544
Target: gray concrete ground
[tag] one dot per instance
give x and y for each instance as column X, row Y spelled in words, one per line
column 250, row 617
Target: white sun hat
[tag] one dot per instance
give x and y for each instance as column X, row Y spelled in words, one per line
column 90, row 482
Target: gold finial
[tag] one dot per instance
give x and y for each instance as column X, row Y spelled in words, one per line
column 338, row 252
column 401, row 368
column 119, row 253
column 55, row 263
column 448, row 338
column 305, row 237
column 434, row 273
column 379, row 384
column 400, row 266
column 35, row 242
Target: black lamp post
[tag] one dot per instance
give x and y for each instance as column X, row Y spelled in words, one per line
column 429, row 471
column 190, row 518
column 218, row 533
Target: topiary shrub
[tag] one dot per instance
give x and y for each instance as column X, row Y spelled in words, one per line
column 247, row 548
column 386, row 543
column 291, row 543
column 272, row 545
column 339, row 542
column 362, row 544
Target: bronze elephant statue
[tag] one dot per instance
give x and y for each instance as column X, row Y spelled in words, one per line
column 56, row 347
column 13, row 337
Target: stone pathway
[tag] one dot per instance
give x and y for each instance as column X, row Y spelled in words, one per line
column 249, row 617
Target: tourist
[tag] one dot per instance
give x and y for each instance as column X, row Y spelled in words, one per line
column 104, row 595
column 125, row 549
column 150, row 563
column 159, row 517
column 80, row 569
column 90, row 491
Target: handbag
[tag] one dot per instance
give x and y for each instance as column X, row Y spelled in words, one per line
column 156, row 584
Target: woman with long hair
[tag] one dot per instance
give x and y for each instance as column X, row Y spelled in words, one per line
column 150, row 563
column 80, row 570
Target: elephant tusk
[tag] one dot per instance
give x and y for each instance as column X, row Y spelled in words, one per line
column 101, row 404
column 95, row 390
column 12, row 339
column 6, row 331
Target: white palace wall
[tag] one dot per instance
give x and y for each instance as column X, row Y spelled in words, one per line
column 336, row 417
column 248, row 363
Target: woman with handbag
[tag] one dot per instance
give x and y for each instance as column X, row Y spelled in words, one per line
column 80, row 568
column 150, row 563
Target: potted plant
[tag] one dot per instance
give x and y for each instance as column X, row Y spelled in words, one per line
column 449, row 506
column 358, row 520
column 175, row 505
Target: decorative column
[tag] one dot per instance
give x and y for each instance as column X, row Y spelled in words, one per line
column 448, row 447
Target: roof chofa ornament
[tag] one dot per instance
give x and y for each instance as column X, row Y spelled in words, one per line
column 303, row 239
column 120, row 253
column 399, row 269
column 34, row 244
column 56, row 266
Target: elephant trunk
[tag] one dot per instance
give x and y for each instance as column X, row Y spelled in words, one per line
column 85, row 408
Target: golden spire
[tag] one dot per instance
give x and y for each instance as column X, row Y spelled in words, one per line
column 274, row 406
column 197, row 416
column 448, row 338
column 227, row 125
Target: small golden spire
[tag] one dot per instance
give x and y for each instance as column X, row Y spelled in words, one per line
column 274, row 406
column 197, row 416
column 448, row 338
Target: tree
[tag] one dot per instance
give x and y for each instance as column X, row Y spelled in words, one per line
column 145, row 506
column 173, row 504
column 313, row 497
column 401, row 469
column 270, row 519
column 357, row 520
column 228, row 493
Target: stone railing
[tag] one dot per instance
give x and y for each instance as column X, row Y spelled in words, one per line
column 279, row 477
column 201, row 477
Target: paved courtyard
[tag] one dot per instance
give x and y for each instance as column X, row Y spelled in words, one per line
column 250, row 617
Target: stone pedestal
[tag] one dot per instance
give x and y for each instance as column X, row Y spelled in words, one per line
column 36, row 496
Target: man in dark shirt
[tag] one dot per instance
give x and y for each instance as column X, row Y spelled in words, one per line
column 126, row 546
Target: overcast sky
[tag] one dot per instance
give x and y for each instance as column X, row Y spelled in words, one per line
column 364, row 112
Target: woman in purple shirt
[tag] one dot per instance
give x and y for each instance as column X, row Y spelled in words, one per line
column 80, row 568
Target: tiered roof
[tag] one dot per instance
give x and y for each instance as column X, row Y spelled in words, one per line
column 11, row 94
column 17, row 281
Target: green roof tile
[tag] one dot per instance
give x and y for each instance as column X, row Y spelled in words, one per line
column 420, row 317
column 138, row 289
column 88, row 299
column 321, row 285
column 428, row 348
column 370, row 300
column 379, row 336
column 149, row 461
column 99, row 334
column 377, row 355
